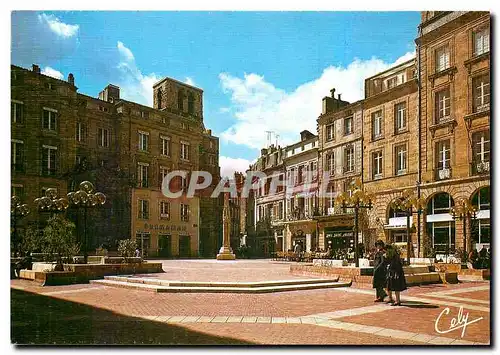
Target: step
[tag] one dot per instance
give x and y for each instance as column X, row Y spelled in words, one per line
column 152, row 281
column 220, row 289
column 408, row 270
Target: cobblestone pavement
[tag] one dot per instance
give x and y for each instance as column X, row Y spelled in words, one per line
column 94, row 314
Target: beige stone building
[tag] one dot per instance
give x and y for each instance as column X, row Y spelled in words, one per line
column 61, row 137
column 391, row 152
column 453, row 50
column 301, row 194
column 340, row 154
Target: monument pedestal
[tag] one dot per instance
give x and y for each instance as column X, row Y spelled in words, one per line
column 226, row 253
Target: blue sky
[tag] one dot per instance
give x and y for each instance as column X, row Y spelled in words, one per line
column 259, row 70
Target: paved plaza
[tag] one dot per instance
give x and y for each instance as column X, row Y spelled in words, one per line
column 96, row 314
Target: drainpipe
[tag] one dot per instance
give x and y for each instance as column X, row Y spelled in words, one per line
column 419, row 181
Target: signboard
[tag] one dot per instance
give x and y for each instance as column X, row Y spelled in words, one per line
column 165, row 227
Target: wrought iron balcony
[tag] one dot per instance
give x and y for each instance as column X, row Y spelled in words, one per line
column 480, row 167
column 443, row 174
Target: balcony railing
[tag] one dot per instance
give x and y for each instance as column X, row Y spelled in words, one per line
column 480, row 167
column 443, row 174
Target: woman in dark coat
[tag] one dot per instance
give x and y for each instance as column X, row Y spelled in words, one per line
column 395, row 275
column 379, row 272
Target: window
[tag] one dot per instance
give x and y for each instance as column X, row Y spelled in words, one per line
column 443, row 105
column 143, row 141
column 17, row 151
column 377, row 124
column 184, row 183
column 330, row 163
column 481, row 93
column 80, row 132
column 442, row 58
column 144, row 115
column 16, row 111
column 103, row 137
column 191, row 104
column 184, row 151
column 330, row 199
column 143, row 209
column 443, row 154
column 481, row 146
column 164, row 210
column 211, row 160
column 348, row 128
column 280, row 210
column 163, row 173
column 142, row 174
column 211, row 145
column 143, row 241
column 400, row 116
column 400, row 157
column 184, row 212
column 180, row 100
column 349, row 159
column 392, row 82
column 481, row 41
column 377, row 164
column 49, row 160
column 49, row 119
column 330, row 132
column 165, row 145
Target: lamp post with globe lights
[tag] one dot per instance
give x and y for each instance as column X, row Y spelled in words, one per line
column 17, row 211
column 86, row 198
column 408, row 203
column 356, row 197
column 463, row 210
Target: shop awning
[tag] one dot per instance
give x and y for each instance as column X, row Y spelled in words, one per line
column 397, row 223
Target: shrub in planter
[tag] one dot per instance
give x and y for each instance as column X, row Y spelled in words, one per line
column 126, row 249
column 59, row 240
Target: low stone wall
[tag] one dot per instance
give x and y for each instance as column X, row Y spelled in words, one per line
column 448, row 267
column 474, row 274
column 82, row 273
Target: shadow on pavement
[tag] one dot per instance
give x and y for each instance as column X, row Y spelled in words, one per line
column 417, row 304
column 41, row 320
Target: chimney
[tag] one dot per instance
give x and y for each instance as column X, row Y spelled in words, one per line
column 263, row 151
column 36, row 69
column 332, row 91
column 71, row 79
column 340, row 99
column 209, row 131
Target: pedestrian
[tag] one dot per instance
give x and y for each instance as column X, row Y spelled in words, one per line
column 379, row 272
column 395, row 275
column 137, row 253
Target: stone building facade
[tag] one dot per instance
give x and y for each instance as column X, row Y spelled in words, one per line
column 61, row 137
column 390, row 147
column 340, row 156
column 301, row 195
column 269, row 207
column 453, row 53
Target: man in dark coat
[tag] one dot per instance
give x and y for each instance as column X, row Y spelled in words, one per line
column 379, row 271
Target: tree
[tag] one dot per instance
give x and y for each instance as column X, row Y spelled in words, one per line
column 59, row 239
column 126, row 248
column 31, row 240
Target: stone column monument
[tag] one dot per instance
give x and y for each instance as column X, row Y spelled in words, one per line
column 225, row 252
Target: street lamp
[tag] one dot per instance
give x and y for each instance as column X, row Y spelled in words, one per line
column 86, row 198
column 17, row 211
column 356, row 198
column 51, row 203
column 408, row 203
column 462, row 210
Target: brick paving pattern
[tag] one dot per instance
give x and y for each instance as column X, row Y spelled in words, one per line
column 95, row 314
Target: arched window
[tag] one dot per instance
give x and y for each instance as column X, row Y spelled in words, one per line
column 180, row 100
column 158, row 98
column 440, row 223
column 480, row 227
column 191, row 103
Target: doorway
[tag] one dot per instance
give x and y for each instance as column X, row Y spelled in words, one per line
column 165, row 245
column 184, row 246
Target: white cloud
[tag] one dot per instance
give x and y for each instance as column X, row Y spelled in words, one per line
column 60, row 28
column 228, row 166
column 224, row 109
column 134, row 85
column 189, row 81
column 259, row 106
column 53, row 73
